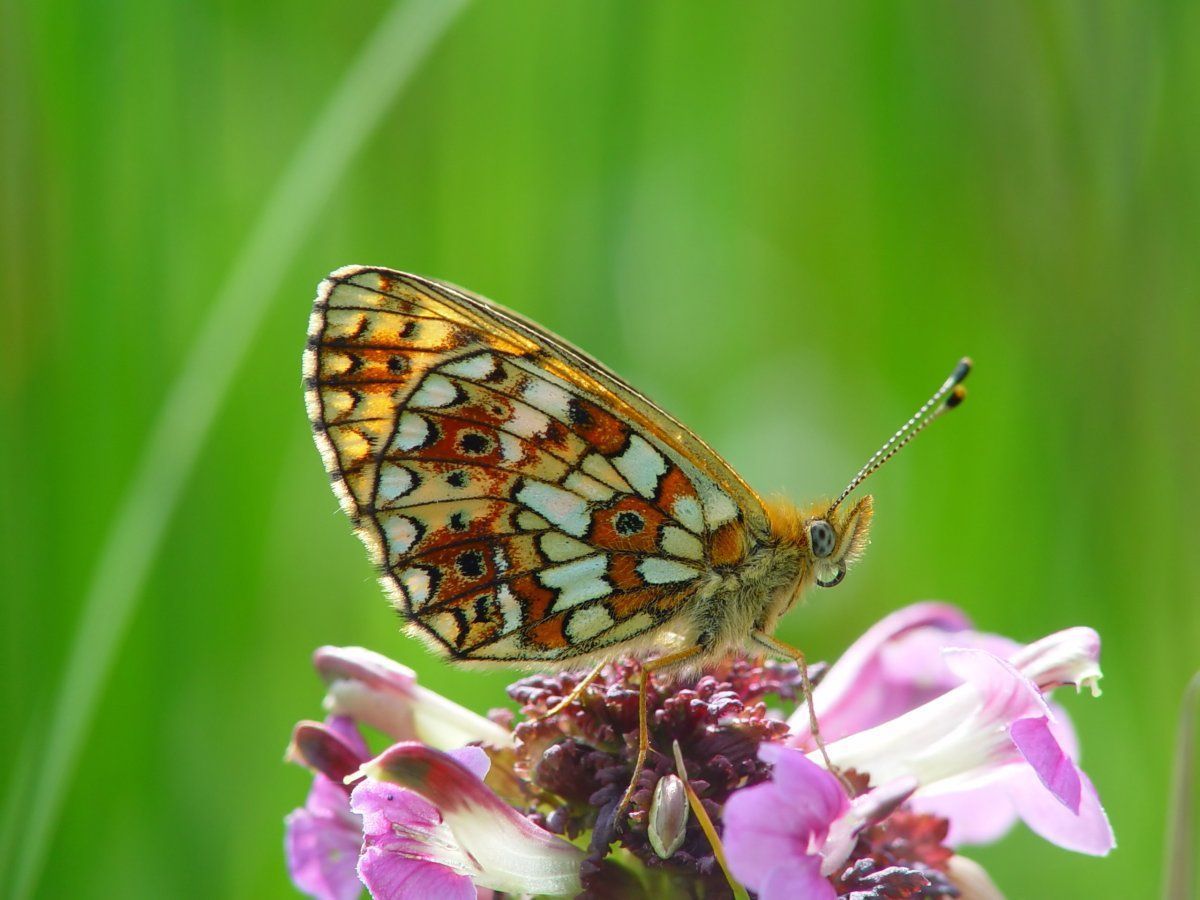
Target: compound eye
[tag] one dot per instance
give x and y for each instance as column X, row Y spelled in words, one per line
column 821, row 538
column 836, row 579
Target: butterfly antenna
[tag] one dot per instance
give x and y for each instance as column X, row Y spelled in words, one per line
column 944, row 399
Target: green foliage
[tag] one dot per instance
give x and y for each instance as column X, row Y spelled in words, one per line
column 785, row 226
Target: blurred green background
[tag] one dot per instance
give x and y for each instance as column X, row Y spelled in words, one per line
column 785, row 222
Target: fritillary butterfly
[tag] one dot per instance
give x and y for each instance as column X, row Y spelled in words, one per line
column 525, row 506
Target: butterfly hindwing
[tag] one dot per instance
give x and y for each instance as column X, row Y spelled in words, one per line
column 521, row 502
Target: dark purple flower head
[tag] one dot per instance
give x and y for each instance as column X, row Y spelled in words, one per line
column 584, row 754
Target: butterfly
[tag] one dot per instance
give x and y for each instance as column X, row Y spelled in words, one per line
column 526, row 507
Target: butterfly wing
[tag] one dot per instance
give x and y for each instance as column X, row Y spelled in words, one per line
column 521, row 501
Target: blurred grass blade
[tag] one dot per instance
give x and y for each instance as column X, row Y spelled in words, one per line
column 1180, row 865
column 394, row 52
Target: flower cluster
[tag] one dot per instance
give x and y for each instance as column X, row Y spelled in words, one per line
column 939, row 735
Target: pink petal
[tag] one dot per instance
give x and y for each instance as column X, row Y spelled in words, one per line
column 390, row 876
column 865, row 810
column 347, row 732
column 783, row 822
column 382, row 805
column 374, row 670
column 329, row 798
column 321, row 852
column 814, row 797
column 474, row 759
column 957, row 737
column 856, row 693
column 981, row 815
column 514, row 855
column 1088, row 832
column 1006, row 694
column 761, row 832
column 797, row 878
column 1070, row 656
column 1054, row 768
column 379, row 692
column 333, row 754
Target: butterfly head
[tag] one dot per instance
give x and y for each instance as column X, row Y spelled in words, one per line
column 832, row 541
column 831, row 537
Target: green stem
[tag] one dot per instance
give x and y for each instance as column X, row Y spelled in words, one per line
column 1180, row 863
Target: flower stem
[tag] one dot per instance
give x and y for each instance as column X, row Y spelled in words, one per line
column 706, row 825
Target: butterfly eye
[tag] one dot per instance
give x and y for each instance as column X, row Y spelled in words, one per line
column 821, row 538
column 838, row 575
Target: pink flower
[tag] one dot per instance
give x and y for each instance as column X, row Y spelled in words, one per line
column 774, row 831
column 379, row 692
column 921, row 695
column 941, row 734
column 457, row 825
column 322, row 839
column 407, row 848
column 421, row 822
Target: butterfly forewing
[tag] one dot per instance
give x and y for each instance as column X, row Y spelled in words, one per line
column 522, row 502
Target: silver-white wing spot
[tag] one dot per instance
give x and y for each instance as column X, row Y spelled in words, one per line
column 577, row 582
column 678, row 542
column 402, row 532
column 566, row 510
column 557, row 547
column 588, row 622
column 411, row 432
column 473, row 368
column 664, row 571
column 416, row 585
column 394, row 483
column 641, row 465
column 435, row 391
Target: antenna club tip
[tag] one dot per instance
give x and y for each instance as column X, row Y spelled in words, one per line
column 957, row 396
column 962, row 370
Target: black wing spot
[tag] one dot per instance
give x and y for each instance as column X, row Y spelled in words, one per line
column 474, row 443
column 578, row 414
column 628, row 523
column 470, row 563
column 397, row 364
column 457, row 479
column 458, row 522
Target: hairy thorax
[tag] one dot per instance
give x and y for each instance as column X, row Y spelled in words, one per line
column 743, row 599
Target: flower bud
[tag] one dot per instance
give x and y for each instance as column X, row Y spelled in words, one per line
column 667, row 825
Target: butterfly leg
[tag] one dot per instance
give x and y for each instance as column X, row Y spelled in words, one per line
column 779, row 648
column 576, row 692
column 648, row 669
